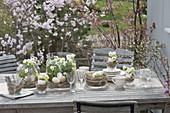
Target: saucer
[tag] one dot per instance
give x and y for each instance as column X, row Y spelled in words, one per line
column 115, row 71
column 96, row 87
column 122, row 73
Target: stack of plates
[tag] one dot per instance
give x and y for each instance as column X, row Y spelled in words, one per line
column 113, row 73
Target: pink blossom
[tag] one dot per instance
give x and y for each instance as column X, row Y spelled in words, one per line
column 60, row 23
column 18, row 46
column 46, row 25
column 76, row 29
column 88, row 2
column 73, row 23
column 55, row 34
column 58, row 3
column 68, row 33
column 66, row 17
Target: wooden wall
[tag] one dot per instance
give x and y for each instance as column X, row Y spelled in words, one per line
column 159, row 13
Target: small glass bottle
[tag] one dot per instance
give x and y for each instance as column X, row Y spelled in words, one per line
column 41, row 87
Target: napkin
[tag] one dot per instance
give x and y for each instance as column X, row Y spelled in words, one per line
column 17, row 96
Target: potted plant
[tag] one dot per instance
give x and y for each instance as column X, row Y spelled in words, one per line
column 129, row 74
column 28, row 70
column 112, row 60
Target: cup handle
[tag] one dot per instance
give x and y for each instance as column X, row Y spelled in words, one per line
column 113, row 80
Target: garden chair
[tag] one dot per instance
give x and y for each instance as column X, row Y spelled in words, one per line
column 106, row 107
column 125, row 58
column 99, row 58
column 8, row 64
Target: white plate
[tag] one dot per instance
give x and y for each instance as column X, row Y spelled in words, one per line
column 116, row 71
column 96, row 87
column 122, row 73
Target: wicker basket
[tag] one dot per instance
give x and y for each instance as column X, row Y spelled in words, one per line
column 58, row 85
column 100, row 81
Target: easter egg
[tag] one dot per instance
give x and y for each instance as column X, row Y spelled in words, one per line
column 59, row 75
column 63, row 79
column 55, row 80
column 41, row 82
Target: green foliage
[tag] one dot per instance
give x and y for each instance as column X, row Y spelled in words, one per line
column 27, row 67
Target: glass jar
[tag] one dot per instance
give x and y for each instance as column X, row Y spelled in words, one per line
column 29, row 73
column 41, row 86
column 129, row 79
column 14, row 88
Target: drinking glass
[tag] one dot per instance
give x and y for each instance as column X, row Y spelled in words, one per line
column 138, row 74
column 81, row 77
column 71, row 78
column 148, row 75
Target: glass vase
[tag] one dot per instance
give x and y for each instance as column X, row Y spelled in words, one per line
column 41, row 87
column 129, row 79
column 29, row 75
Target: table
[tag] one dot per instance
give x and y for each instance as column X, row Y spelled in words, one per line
column 56, row 102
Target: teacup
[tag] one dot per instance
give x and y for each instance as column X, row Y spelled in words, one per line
column 119, row 81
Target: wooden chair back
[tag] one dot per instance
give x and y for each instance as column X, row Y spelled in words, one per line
column 8, row 64
column 125, row 58
column 106, row 107
column 99, row 57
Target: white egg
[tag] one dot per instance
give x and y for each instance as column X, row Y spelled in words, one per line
column 41, row 82
column 63, row 79
column 59, row 75
column 55, row 80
